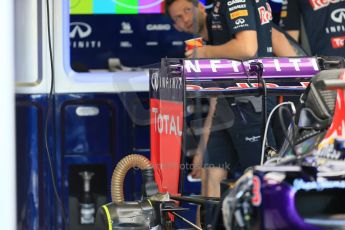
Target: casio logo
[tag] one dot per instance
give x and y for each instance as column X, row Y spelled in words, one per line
column 230, row 3
column 158, row 27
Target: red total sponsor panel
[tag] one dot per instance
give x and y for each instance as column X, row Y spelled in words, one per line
column 166, row 138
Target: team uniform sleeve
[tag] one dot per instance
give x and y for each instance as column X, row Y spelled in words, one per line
column 290, row 15
column 239, row 15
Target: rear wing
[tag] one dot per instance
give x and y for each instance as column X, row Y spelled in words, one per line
column 283, row 76
column 179, row 79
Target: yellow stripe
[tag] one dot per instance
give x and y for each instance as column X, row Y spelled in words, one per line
column 239, row 13
column 149, row 202
column 110, row 225
column 283, row 14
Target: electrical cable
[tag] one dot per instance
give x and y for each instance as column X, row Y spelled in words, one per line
column 264, row 108
column 267, row 124
column 186, row 221
column 282, row 123
column 257, row 69
column 49, row 109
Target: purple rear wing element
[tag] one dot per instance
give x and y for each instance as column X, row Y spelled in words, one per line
column 212, row 77
column 214, row 69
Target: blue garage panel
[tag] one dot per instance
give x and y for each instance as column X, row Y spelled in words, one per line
column 88, row 128
column 140, row 120
column 86, row 131
column 28, row 118
column 36, row 205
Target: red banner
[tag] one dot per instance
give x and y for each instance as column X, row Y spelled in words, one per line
column 166, row 142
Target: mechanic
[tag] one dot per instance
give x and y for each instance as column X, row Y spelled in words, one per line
column 324, row 23
column 238, row 29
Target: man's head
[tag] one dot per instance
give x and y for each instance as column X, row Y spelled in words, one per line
column 188, row 15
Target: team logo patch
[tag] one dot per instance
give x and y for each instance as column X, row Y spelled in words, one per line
column 338, row 42
column 283, row 14
column 232, row 2
column 318, row 4
column 239, row 13
column 265, row 15
column 338, row 15
column 239, row 21
column 237, row 7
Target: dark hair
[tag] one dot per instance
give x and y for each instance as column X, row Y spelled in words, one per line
column 168, row 3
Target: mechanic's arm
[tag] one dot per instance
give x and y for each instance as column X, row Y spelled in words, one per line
column 290, row 18
column 294, row 34
column 199, row 153
column 207, row 126
column 281, row 45
column 243, row 46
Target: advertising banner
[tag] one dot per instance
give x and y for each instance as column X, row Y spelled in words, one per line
column 166, row 128
column 135, row 40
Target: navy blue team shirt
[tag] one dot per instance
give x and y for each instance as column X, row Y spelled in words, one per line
column 232, row 16
column 324, row 22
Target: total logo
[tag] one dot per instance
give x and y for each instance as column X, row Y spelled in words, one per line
column 158, row 27
column 338, row 15
column 79, row 31
column 168, row 124
column 318, row 4
column 240, row 21
column 338, row 42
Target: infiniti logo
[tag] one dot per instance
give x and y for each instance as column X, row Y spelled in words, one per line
column 154, row 81
column 338, row 15
column 239, row 21
column 81, row 29
column 164, row 82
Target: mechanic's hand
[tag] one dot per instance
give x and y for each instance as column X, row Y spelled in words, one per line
column 197, row 165
column 198, row 52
